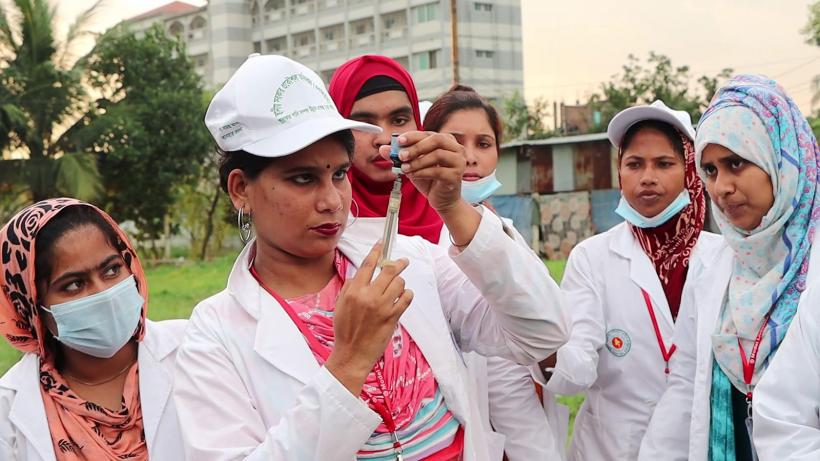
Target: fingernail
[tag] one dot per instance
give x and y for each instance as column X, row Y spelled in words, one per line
column 405, row 167
column 403, row 154
column 402, row 139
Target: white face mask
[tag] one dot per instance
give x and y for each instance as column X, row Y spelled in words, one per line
column 630, row 214
column 99, row 325
column 475, row 192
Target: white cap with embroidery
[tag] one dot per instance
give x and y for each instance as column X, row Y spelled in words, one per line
column 624, row 119
column 273, row 106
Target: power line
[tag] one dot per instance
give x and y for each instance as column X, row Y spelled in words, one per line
column 796, row 67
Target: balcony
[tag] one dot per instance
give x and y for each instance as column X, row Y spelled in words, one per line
column 334, row 45
column 363, row 40
column 274, row 15
column 394, row 33
column 330, row 3
column 302, row 9
column 304, row 51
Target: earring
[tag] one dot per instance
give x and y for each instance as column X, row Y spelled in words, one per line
column 244, row 222
column 355, row 216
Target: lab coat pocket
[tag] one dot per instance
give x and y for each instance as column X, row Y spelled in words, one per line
column 605, row 442
column 495, row 445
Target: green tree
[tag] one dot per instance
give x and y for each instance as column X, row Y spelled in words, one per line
column 812, row 28
column 812, row 32
column 658, row 78
column 523, row 121
column 147, row 128
column 41, row 93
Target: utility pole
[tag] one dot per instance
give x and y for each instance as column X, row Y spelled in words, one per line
column 454, row 39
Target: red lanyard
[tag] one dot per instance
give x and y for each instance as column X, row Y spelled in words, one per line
column 667, row 354
column 749, row 365
column 383, row 409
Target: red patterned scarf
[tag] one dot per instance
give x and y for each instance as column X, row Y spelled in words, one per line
column 669, row 246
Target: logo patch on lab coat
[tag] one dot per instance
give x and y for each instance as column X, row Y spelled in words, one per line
column 618, row 342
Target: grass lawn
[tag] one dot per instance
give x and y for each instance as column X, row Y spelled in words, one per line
column 175, row 290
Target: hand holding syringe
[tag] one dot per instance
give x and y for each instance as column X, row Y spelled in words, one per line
column 393, row 204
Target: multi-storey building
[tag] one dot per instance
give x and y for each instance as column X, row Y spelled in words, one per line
column 323, row 34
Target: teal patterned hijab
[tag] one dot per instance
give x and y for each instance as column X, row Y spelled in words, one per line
column 754, row 117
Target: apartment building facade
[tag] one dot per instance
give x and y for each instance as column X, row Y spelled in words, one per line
column 323, row 34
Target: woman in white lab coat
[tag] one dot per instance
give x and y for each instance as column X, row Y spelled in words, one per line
column 377, row 90
column 624, row 286
column 759, row 161
column 512, row 405
column 307, row 355
column 96, row 378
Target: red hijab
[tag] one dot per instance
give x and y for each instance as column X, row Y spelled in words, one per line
column 670, row 245
column 416, row 216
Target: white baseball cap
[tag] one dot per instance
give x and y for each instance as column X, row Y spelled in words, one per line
column 624, row 119
column 273, row 106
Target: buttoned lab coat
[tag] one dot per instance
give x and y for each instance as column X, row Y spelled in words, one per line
column 787, row 398
column 24, row 432
column 613, row 353
column 249, row 388
column 679, row 429
column 510, row 410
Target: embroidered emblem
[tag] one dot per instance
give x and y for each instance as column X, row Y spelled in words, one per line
column 618, row 342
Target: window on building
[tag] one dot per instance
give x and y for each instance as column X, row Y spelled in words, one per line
column 200, row 60
column 483, row 7
column 257, row 47
column 197, row 28
column 273, row 5
column 485, row 54
column 427, row 60
column 276, row 45
column 361, row 29
column 176, row 29
column 198, row 23
column 330, row 35
column 425, row 13
column 254, row 13
column 389, row 23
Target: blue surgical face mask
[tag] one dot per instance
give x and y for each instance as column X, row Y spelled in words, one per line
column 626, row 211
column 99, row 325
column 475, row 192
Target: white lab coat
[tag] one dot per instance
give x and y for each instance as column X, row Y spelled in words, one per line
column 24, row 432
column 603, row 281
column 787, row 398
column 510, row 410
column 680, row 426
column 249, row 387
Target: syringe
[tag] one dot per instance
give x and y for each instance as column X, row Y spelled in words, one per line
column 394, row 203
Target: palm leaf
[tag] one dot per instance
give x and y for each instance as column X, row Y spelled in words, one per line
column 77, row 176
column 78, row 29
column 7, row 39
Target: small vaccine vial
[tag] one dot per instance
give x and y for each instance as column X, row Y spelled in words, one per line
column 394, row 152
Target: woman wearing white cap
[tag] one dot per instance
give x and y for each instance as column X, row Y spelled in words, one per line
column 759, row 160
column 303, row 356
column 624, row 286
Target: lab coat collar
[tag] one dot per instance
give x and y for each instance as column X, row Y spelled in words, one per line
column 282, row 345
column 27, row 410
column 156, row 383
column 641, row 270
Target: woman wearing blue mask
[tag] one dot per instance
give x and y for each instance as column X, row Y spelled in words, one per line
column 507, row 394
column 475, row 124
column 625, row 285
column 96, row 377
